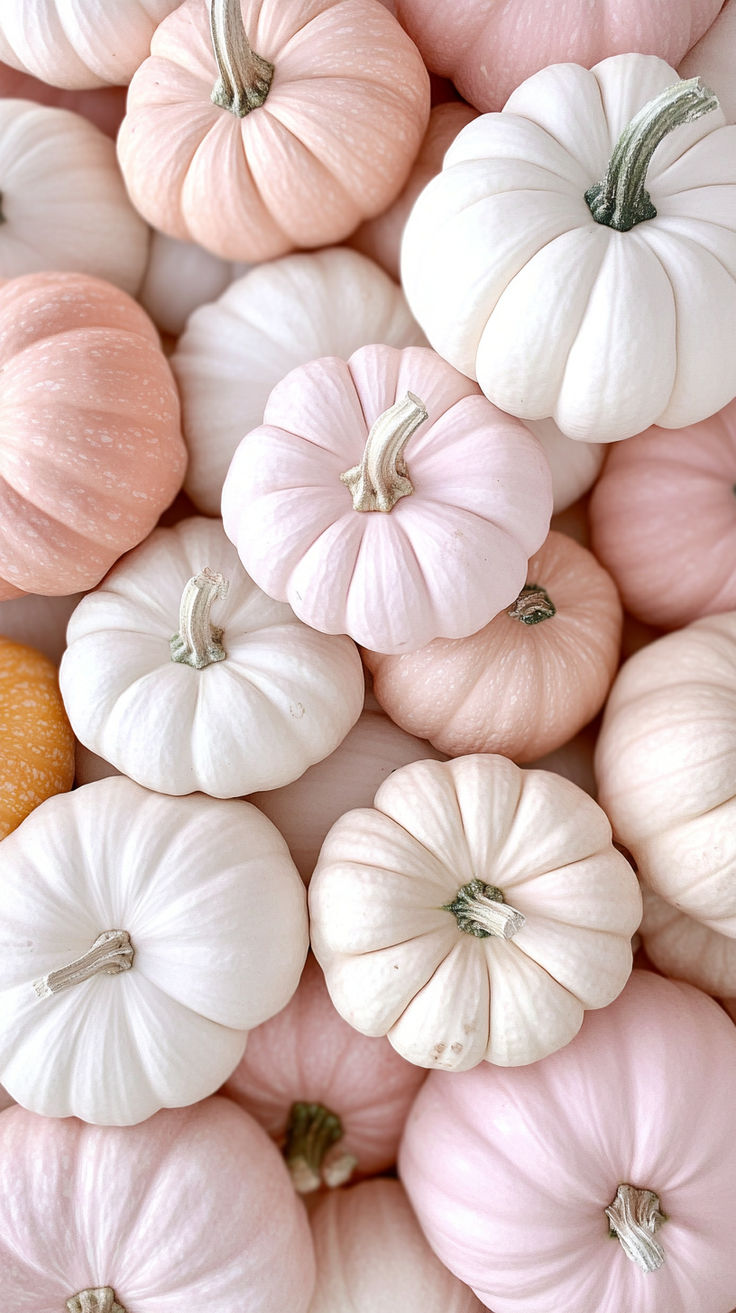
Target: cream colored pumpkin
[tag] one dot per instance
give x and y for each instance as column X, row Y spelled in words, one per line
column 179, row 277
column 685, row 949
column 79, row 43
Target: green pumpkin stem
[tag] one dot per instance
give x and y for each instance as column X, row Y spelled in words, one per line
column 381, row 478
column 633, row 1217
column 111, row 953
column 481, row 910
column 244, row 78
column 621, row 199
column 311, row 1133
column 533, row 605
column 198, row 642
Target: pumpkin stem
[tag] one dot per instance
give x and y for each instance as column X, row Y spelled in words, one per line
column 199, row 642
column 311, row 1132
column 621, row 200
column 100, row 1299
column 532, row 605
column 111, row 953
column 634, row 1216
column 381, row 478
column 481, row 910
column 244, row 78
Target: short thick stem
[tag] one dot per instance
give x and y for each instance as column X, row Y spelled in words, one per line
column 311, row 1133
column 97, row 1299
column 244, row 78
column 481, row 910
column 621, row 199
column 533, row 605
column 111, row 953
column 381, row 478
column 634, row 1216
column 199, row 642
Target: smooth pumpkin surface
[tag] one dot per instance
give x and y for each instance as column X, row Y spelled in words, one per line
column 685, row 949
column 712, row 58
column 36, row 740
column 179, row 277
column 79, row 43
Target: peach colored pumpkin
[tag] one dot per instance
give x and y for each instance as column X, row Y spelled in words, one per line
column 666, row 767
column 487, row 47
column 531, row 1184
column 90, row 446
column 385, row 498
column 104, row 107
column 525, row 683
column 685, row 949
column 663, row 521
column 713, row 57
column 335, row 1100
column 314, row 127
column 192, row 1209
column 36, row 740
column 372, row 1257
column 304, row 811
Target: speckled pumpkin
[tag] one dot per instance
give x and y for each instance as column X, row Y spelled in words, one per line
column 36, row 741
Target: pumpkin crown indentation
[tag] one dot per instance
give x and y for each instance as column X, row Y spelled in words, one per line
column 244, row 78
column 111, row 953
column 634, row 1216
column 481, row 910
column 382, row 479
column 311, row 1132
column 198, row 642
column 533, row 605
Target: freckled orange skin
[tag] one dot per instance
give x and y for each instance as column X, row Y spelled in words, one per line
column 36, row 740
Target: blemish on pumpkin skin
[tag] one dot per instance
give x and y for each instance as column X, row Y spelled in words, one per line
column 456, row 1047
column 296, row 710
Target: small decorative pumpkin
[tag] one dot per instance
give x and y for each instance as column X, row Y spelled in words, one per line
column 87, row 44
column 291, row 141
column 605, row 1174
column 576, row 253
column 191, row 1209
column 142, row 936
column 525, row 683
column 575, row 466
column 663, row 520
column 685, row 949
column 666, row 767
column 370, row 521
column 280, row 315
column 371, row 1256
column 473, row 913
column 712, row 58
column 336, row 1101
column 91, row 451
column 62, row 200
column 104, row 107
column 36, row 741
column 180, row 277
column 185, row 676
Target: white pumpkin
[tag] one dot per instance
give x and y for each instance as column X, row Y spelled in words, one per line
column 280, row 315
column 474, row 913
column 570, row 272
column 62, row 198
column 685, row 949
column 575, row 466
column 179, row 277
column 79, row 43
column 183, row 675
column 141, row 938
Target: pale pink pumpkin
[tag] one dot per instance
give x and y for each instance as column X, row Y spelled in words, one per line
column 90, row 445
column 663, row 521
column 511, row 1173
column 525, row 683
column 191, row 1209
column 372, row 1257
column 365, row 526
column 320, row 108
column 336, row 1101
column 487, row 47
column 103, row 106
column 713, row 59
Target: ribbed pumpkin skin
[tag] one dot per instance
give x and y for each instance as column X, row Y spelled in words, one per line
column 36, row 740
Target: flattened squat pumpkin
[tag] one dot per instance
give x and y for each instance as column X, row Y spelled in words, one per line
column 36, row 740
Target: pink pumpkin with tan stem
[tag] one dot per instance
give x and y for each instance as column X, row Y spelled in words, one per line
column 373, row 522
column 604, row 1175
column 335, row 1100
column 190, row 1209
column 663, row 520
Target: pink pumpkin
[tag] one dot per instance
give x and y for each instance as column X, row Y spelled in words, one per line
column 367, row 527
column 525, row 683
column 597, row 1181
column 488, row 47
column 334, row 1099
column 254, row 150
column 90, row 449
column 104, row 106
column 713, row 59
column 191, row 1209
column 663, row 520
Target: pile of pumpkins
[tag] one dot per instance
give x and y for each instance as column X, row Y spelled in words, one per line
column 368, row 670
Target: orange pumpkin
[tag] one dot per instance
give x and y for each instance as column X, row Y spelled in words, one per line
column 36, row 740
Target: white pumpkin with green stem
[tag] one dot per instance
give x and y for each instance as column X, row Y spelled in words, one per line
column 181, row 673
column 577, row 254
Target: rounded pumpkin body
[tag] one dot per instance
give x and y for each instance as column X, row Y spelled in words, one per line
column 142, row 937
column 192, row 1205
column 666, row 767
column 528, row 681
column 470, row 889
column 712, row 59
column 280, row 315
column 329, row 143
column 90, row 446
column 575, row 466
column 560, row 1139
column 36, row 741
column 179, row 277
column 685, row 949
column 663, row 521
